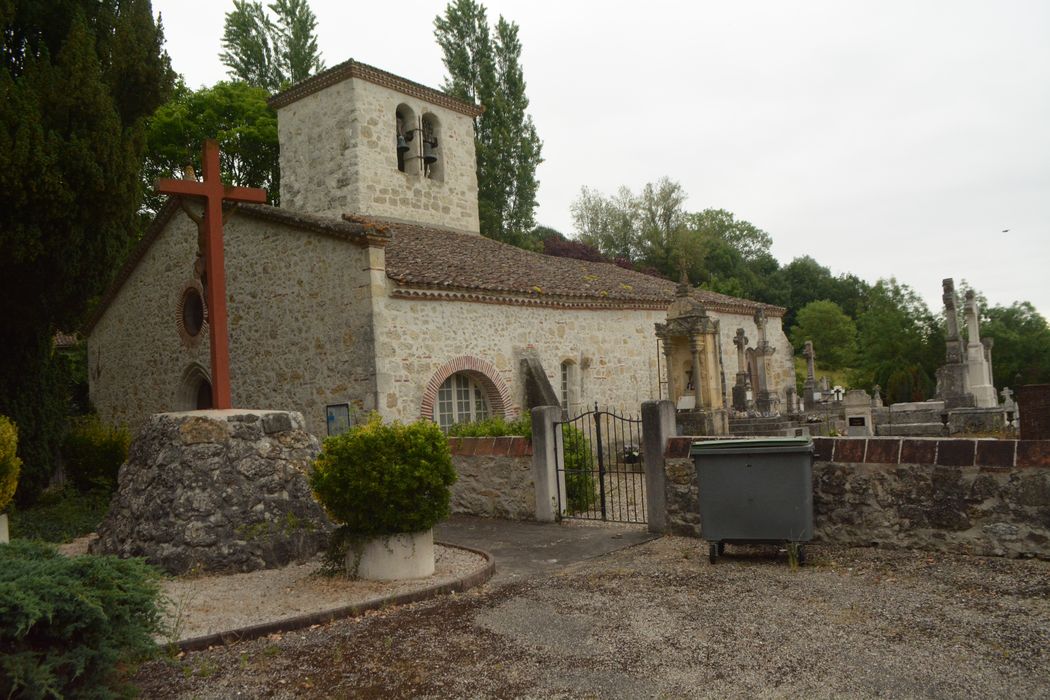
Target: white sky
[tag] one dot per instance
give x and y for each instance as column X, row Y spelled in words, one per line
column 881, row 138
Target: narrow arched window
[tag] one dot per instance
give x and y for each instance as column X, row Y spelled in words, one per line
column 406, row 128
column 430, row 148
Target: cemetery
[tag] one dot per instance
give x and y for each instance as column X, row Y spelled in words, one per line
column 337, row 435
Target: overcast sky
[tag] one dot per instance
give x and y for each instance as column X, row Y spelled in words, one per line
column 881, row 138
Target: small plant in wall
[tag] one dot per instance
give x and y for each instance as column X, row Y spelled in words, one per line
column 387, row 484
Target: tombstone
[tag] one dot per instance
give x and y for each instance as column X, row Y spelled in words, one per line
column 764, row 399
column 978, row 375
column 876, row 400
column 952, row 382
column 1033, row 403
column 740, row 397
column 809, row 389
column 1010, row 411
column 857, row 407
column 789, row 396
column 824, row 386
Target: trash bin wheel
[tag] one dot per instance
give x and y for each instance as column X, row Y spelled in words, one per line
column 713, row 550
column 801, row 555
column 797, row 552
column 721, row 548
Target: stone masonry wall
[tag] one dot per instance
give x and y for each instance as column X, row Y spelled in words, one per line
column 614, row 351
column 299, row 322
column 338, row 156
column 987, row 497
column 495, row 477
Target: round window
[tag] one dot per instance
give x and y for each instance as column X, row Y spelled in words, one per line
column 192, row 312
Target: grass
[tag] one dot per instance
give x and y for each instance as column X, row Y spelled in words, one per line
column 60, row 516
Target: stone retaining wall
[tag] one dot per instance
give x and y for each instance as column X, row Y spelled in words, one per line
column 988, row 497
column 495, row 477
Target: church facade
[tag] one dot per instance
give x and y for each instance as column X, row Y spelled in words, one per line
column 372, row 287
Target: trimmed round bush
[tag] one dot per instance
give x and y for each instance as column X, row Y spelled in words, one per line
column 382, row 479
column 10, row 464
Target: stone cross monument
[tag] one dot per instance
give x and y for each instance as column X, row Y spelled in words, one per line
column 952, row 382
column 978, row 371
column 809, row 388
column 763, row 397
column 740, row 388
column 214, row 193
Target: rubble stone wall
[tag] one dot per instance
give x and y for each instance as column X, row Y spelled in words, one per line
column 495, row 477
column 986, row 497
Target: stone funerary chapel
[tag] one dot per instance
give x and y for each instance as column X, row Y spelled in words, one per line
column 371, row 286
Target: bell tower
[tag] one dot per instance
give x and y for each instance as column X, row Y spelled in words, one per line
column 357, row 140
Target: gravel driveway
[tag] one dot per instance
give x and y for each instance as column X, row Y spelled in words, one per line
column 657, row 620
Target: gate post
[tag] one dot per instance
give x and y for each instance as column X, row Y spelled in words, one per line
column 544, row 461
column 657, row 426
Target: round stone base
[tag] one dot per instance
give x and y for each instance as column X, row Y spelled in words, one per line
column 393, row 557
column 218, row 491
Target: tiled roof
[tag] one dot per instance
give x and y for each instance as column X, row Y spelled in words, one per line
column 440, row 260
column 356, row 69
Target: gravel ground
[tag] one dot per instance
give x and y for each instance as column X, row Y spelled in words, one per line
column 657, row 620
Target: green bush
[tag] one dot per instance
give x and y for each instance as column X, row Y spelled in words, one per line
column 9, row 461
column 70, row 622
column 493, row 427
column 380, row 479
column 93, row 453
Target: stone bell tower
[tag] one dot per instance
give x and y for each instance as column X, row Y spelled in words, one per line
column 356, row 140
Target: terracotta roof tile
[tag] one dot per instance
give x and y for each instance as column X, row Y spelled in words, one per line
column 428, row 258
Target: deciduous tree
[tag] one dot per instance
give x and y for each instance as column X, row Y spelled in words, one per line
column 833, row 333
column 271, row 53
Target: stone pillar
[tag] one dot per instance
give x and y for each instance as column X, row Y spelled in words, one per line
column 740, row 388
column 545, row 446
column 1033, row 403
column 988, row 343
column 952, row 382
column 658, row 424
column 976, row 366
column 669, row 367
column 763, row 400
column 809, row 389
column 695, row 346
column 789, row 396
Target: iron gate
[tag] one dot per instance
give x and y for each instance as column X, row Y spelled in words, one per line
column 600, row 470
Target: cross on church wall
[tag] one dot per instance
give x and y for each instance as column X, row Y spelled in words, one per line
column 213, row 193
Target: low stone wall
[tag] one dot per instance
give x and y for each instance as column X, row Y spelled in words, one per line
column 495, row 477
column 988, row 497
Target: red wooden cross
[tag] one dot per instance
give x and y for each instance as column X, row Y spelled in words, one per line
column 213, row 192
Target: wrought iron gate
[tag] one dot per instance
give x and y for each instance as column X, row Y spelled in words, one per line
column 600, row 469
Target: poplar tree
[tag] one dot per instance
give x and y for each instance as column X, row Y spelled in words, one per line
column 487, row 69
column 267, row 53
column 77, row 81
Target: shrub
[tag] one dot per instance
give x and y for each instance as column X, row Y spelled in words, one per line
column 9, row 461
column 68, row 623
column 493, row 427
column 93, row 453
column 60, row 515
column 380, row 479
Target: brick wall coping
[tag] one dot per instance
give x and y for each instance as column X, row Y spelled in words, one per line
column 948, row 452
column 513, row 446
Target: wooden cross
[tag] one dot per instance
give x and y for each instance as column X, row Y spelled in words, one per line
column 214, row 193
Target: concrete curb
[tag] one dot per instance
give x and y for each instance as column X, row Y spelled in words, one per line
column 290, row 624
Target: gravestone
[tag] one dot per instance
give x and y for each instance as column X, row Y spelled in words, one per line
column 978, row 368
column 809, row 389
column 740, row 393
column 765, row 401
column 857, row 407
column 221, row 490
column 952, row 379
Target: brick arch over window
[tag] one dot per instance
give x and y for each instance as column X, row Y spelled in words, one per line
column 497, row 393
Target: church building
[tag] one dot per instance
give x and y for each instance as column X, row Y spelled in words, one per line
column 371, row 287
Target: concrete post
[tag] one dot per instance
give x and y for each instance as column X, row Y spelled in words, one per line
column 657, row 426
column 544, row 461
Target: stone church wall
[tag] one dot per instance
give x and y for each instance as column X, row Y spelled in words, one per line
column 299, row 322
column 780, row 367
column 338, row 156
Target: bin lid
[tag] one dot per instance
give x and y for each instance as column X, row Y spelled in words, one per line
column 788, row 444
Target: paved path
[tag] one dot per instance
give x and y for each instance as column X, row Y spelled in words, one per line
column 526, row 549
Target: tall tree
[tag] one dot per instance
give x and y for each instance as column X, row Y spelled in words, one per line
column 488, row 70
column 237, row 115
column 77, row 81
column 834, row 334
column 267, row 53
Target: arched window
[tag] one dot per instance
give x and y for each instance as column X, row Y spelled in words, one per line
column 569, row 381
column 433, row 166
column 460, row 399
column 194, row 391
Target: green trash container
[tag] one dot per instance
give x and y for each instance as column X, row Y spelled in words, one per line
column 755, row 491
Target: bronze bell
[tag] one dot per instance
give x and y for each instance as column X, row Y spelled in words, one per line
column 402, row 144
column 429, row 157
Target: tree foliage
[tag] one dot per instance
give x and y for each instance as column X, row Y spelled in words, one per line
column 1021, row 354
column 78, row 80
column 834, row 334
column 237, row 115
column 271, row 53
column 487, row 69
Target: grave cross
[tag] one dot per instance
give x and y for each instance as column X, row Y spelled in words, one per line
column 214, row 193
